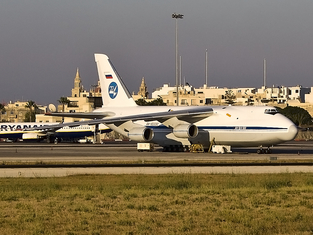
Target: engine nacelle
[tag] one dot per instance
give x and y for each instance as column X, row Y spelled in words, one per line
column 186, row 131
column 31, row 136
column 141, row 134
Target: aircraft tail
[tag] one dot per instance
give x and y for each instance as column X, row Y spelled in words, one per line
column 114, row 91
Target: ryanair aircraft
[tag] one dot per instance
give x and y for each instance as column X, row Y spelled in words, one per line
column 14, row 131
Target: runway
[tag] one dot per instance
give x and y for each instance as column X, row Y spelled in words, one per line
column 126, row 152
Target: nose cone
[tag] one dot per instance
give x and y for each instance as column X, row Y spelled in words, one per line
column 291, row 133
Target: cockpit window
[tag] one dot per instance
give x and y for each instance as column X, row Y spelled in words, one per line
column 270, row 111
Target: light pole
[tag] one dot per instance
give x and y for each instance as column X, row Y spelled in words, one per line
column 206, row 67
column 264, row 73
column 176, row 16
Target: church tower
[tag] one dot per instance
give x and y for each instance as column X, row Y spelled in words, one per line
column 78, row 88
column 143, row 90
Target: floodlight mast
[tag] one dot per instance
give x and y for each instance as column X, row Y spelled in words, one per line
column 176, row 16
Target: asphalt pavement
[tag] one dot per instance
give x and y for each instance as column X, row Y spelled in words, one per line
column 42, row 153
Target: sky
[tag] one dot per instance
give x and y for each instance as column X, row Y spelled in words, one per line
column 43, row 42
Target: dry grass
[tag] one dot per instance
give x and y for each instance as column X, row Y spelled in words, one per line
column 158, row 204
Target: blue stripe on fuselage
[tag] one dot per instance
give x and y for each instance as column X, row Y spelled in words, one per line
column 241, row 128
column 12, row 135
column 259, row 128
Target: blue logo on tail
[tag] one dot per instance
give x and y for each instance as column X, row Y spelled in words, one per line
column 113, row 90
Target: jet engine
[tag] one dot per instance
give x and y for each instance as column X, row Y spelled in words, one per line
column 185, row 131
column 32, row 136
column 141, row 134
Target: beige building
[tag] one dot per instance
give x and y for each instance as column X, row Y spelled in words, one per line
column 273, row 96
column 188, row 95
column 15, row 112
column 143, row 91
column 80, row 101
column 309, row 97
column 277, row 96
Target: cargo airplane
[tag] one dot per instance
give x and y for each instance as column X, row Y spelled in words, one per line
column 14, row 131
column 175, row 128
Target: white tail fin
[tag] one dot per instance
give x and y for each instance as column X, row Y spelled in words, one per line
column 114, row 92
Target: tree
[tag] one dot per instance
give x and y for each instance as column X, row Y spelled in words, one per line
column 2, row 111
column 29, row 116
column 230, row 97
column 155, row 102
column 299, row 116
column 2, row 108
column 141, row 102
column 64, row 101
column 31, row 105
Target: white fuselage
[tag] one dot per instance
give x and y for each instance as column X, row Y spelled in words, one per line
column 248, row 126
column 228, row 125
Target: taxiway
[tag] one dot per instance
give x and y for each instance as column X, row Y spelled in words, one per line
column 119, row 152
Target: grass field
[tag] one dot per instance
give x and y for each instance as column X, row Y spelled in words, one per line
column 158, row 204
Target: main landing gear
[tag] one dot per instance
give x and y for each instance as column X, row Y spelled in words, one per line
column 264, row 151
column 176, row 148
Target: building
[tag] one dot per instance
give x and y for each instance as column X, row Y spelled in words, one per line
column 189, row 95
column 143, row 91
column 15, row 112
column 80, row 101
column 309, row 97
column 284, row 95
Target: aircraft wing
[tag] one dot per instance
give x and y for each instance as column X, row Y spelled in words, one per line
column 90, row 115
column 189, row 115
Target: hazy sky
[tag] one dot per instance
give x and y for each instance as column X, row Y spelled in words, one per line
column 43, row 42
